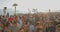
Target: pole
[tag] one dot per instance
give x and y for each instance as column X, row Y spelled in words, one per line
column 15, row 10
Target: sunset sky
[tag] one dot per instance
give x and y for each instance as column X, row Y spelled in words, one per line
column 23, row 5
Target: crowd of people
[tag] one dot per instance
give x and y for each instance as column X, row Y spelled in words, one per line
column 30, row 23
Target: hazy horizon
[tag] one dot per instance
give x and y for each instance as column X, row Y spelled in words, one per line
column 23, row 5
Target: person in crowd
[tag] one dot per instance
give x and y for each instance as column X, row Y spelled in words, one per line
column 11, row 18
column 31, row 27
column 0, row 18
column 39, row 26
column 1, row 28
column 58, row 28
column 25, row 27
column 20, row 22
column 52, row 28
column 3, row 19
column 14, row 27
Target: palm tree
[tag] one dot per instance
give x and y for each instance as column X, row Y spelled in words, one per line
column 4, row 11
column 15, row 7
column 49, row 10
column 29, row 11
column 34, row 10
